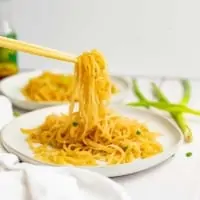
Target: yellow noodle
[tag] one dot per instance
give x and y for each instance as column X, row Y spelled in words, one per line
column 53, row 87
column 91, row 133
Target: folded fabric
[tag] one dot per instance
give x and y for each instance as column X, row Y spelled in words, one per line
column 24, row 181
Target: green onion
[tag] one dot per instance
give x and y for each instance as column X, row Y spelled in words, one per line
column 75, row 124
column 177, row 116
column 138, row 93
column 169, row 107
column 187, row 92
column 162, row 103
column 188, row 154
column 125, row 148
column 138, row 132
column 16, row 114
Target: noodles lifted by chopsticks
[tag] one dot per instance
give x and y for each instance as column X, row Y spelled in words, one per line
column 91, row 133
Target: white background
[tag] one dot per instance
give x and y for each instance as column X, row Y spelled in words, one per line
column 151, row 37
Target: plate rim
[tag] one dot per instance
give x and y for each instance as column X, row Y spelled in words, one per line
column 173, row 149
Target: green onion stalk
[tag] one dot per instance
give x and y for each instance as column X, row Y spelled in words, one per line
column 175, row 110
column 177, row 116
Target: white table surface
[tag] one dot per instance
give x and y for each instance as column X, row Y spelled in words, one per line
column 179, row 177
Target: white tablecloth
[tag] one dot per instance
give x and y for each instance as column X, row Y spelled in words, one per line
column 179, row 177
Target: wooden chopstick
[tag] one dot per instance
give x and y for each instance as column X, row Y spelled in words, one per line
column 35, row 49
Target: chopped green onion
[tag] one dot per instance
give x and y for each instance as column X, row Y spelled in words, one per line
column 125, row 148
column 188, row 154
column 16, row 114
column 138, row 132
column 75, row 124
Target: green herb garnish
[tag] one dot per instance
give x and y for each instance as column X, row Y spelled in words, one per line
column 188, row 154
column 75, row 124
column 138, row 132
column 125, row 148
column 16, row 114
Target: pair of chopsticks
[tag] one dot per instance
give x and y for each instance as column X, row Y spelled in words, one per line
column 35, row 49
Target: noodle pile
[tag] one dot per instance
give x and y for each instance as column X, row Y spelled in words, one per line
column 91, row 133
column 50, row 86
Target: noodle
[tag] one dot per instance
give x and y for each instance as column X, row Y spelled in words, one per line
column 52, row 87
column 91, row 133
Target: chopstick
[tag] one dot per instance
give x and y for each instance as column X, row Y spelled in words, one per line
column 35, row 49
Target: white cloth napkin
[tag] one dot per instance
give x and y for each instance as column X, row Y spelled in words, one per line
column 23, row 181
column 27, row 182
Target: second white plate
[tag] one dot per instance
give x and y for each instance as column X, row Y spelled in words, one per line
column 11, row 87
column 171, row 138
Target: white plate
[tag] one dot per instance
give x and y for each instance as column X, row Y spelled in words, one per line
column 14, row 141
column 11, row 87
